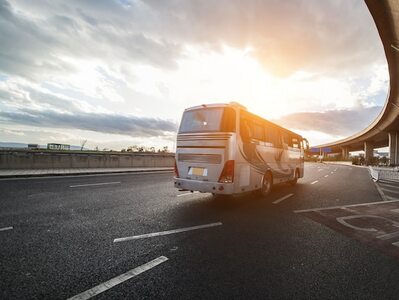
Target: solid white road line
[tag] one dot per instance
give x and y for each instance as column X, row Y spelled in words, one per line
column 283, row 198
column 390, row 190
column 343, row 206
column 316, row 181
column 186, row 194
column 391, row 186
column 143, row 236
column 6, row 228
column 379, row 190
column 94, row 184
column 119, row 279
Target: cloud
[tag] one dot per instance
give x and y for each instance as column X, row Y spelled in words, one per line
column 99, row 122
column 334, row 122
column 39, row 48
column 312, row 35
column 76, row 57
column 23, row 103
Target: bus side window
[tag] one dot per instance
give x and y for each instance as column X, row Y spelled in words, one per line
column 245, row 130
column 229, row 120
column 275, row 137
column 284, row 139
column 270, row 136
column 295, row 143
column 290, row 141
column 258, row 132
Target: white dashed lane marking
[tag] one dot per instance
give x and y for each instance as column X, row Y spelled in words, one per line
column 316, row 181
column 283, row 198
column 6, row 228
column 149, row 235
column 119, row 279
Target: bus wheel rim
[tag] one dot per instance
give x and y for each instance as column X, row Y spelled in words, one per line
column 266, row 184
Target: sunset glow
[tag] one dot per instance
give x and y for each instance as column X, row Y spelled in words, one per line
column 108, row 73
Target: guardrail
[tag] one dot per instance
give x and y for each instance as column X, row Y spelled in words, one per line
column 10, row 159
column 374, row 173
column 384, row 173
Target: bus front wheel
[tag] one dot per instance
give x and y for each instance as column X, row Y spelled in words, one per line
column 267, row 184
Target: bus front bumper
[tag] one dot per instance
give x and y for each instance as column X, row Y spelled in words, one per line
column 204, row 186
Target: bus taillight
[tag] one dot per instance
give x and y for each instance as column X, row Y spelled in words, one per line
column 227, row 175
column 176, row 170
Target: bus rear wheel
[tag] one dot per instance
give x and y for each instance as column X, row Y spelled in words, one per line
column 267, row 184
column 296, row 176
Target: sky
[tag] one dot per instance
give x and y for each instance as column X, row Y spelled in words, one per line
column 119, row 73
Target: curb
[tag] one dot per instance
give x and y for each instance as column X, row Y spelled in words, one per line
column 85, row 173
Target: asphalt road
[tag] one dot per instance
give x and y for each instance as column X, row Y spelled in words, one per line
column 62, row 244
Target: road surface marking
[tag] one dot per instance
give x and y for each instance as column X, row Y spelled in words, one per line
column 283, row 198
column 388, row 235
column 382, row 195
column 390, row 191
column 119, row 279
column 148, row 235
column 186, row 194
column 332, row 173
column 6, row 228
column 343, row 206
column 320, row 170
column 93, row 184
column 326, row 175
column 316, row 181
column 388, row 185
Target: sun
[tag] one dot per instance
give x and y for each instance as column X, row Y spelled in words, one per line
column 229, row 74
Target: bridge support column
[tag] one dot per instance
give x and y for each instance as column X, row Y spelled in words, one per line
column 393, row 137
column 368, row 152
column 345, row 153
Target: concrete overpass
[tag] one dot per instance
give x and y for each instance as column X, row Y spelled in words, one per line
column 384, row 131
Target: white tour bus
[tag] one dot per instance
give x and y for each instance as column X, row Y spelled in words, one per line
column 224, row 149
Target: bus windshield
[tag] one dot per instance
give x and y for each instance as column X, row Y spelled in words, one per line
column 214, row 119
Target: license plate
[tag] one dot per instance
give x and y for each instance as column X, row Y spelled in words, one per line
column 198, row 171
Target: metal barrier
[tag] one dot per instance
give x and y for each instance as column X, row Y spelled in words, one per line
column 384, row 173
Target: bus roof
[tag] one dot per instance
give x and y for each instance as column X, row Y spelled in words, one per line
column 231, row 104
column 240, row 106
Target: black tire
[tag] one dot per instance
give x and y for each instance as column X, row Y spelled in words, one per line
column 267, row 184
column 296, row 176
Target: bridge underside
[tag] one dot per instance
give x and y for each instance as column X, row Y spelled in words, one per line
column 384, row 131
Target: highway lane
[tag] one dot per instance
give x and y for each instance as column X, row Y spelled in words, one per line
column 63, row 230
